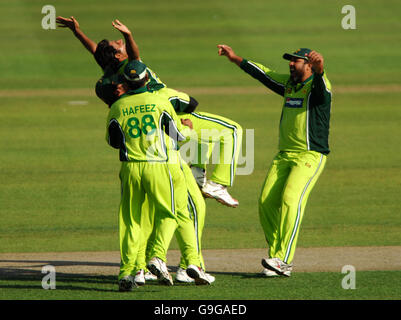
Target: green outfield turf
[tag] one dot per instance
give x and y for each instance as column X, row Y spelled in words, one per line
column 181, row 35
column 59, row 186
column 60, row 189
column 374, row 285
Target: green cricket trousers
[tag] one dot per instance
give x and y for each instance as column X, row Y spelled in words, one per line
column 289, row 181
column 189, row 226
column 210, row 129
column 164, row 185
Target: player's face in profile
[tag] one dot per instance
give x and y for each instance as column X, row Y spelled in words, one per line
column 119, row 45
column 297, row 69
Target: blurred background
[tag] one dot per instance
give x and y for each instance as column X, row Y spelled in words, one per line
column 59, row 186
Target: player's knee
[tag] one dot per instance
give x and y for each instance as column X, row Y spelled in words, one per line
column 267, row 203
column 289, row 200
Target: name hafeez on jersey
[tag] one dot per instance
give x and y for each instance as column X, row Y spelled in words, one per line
column 144, row 126
column 142, row 109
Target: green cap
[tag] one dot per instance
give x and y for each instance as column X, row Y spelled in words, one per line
column 300, row 54
column 135, row 70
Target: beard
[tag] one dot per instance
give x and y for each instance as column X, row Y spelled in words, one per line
column 296, row 75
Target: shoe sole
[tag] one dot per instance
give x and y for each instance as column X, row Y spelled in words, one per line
column 209, row 196
column 279, row 272
column 206, row 195
column 161, row 277
column 184, row 281
column 151, row 279
column 125, row 286
column 195, row 275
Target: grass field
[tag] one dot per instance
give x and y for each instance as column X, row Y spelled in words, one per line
column 302, row 286
column 60, row 188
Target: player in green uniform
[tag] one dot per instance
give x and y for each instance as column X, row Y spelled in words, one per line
column 184, row 105
column 303, row 149
column 143, row 125
column 112, row 57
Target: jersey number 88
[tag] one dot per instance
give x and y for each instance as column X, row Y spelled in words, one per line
column 146, row 125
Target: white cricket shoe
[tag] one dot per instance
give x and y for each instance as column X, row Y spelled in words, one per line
column 126, row 284
column 149, row 276
column 220, row 193
column 199, row 175
column 140, row 278
column 158, row 267
column 280, row 267
column 198, row 275
column 210, row 278
column 181, row 276
column 269, row 273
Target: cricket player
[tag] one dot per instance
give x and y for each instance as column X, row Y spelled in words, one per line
column 144, row 127
column 209, row 129
column 184, row 105
column 303, row 149
column 112, row 56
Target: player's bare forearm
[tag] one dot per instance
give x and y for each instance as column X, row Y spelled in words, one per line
column 72, row 24
column 131, row 46
column 88, row 43
column 227, row 51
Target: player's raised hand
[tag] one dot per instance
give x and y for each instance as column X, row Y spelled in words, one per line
column 70, row 23
column 317, row 62
column 227, row 51
column 120, row 27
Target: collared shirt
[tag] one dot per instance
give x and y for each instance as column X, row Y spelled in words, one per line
column 305, row 116
column 144, row 126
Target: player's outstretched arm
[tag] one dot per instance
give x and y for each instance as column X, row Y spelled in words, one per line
column 72, row 24
column 131, row 46
column 227, row 51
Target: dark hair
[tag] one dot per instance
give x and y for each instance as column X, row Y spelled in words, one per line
column 133, row 85
column 105, row 55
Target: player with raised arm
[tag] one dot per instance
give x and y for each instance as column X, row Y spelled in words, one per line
column 210, row 129
column 303, row 149
column 112, row 56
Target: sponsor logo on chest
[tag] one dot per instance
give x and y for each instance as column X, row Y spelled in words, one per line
column 294, row 102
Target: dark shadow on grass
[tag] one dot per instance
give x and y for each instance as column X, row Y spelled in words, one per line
column 242, row 275
column 84, row 281
column 60, row 263
column 65, row 281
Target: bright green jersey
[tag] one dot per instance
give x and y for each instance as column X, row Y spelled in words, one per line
column 305, row 117
column 144, row 126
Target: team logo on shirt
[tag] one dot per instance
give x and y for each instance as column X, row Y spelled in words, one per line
column 294, row 102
